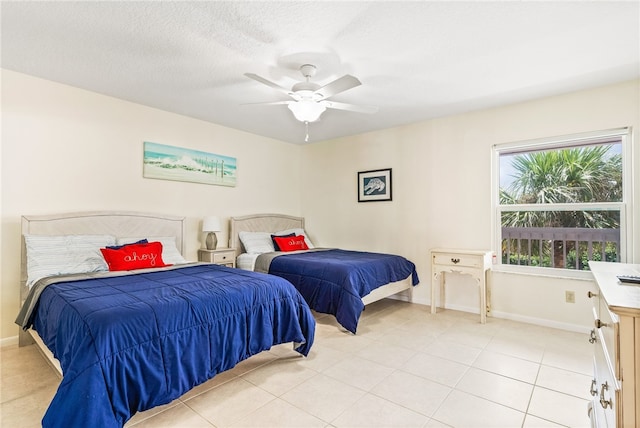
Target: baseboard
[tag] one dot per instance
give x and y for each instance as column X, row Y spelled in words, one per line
column 470, row 309
column 520, row 318
column 525, row 319
column 8, row 341
column 541, row 321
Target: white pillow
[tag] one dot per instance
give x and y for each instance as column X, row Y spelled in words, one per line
column 298, row 232
column 170, row 253
column 64, row 254
column 257, row 242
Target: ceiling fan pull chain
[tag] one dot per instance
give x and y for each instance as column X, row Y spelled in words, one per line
column 306, row 137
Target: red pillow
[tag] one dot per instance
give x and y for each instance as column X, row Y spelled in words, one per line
column 134, row 256
column 291, row 243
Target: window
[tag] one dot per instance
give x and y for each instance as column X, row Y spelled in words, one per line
column 562, row 202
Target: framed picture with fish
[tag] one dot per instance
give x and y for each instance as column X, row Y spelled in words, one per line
column 374, row 185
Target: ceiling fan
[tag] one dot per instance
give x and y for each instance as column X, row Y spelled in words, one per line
column 310, row 99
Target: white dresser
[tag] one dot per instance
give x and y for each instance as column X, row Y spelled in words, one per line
column 616, row 337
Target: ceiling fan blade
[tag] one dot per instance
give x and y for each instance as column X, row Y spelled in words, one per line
column 268, row 83
column 272, row 103
column 350, row 107
column 341, row 84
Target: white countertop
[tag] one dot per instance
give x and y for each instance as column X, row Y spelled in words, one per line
column 622, row 298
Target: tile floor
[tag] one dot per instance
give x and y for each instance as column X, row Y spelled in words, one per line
column 404, row 368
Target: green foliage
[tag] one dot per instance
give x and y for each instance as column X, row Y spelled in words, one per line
column 544, row 259
column 567, row 176
column 577, row 175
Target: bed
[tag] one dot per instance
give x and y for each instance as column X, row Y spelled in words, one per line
column 129, row 340
column 334, row 281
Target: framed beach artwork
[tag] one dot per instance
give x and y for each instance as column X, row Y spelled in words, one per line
column 374, row 185
column 179, row 164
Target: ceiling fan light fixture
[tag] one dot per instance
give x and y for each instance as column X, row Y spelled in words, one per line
column 310, row 99
column 306, row 110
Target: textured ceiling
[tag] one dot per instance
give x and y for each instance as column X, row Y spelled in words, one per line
column 416, row 60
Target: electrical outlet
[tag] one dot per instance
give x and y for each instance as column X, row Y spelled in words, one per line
column 570, row 296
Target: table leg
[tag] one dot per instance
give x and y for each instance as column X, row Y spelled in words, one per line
column 434, row 284
column 487, row 278
column 483, row 300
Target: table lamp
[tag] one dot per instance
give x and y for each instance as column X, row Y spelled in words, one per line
column 211, row 225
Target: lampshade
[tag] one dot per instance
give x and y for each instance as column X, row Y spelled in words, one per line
column 307, row 110
column 211, row 224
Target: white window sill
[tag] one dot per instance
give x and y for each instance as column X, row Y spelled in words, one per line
column 543, row 272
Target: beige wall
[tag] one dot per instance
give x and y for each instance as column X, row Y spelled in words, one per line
column 442, row 194
column 66, row 149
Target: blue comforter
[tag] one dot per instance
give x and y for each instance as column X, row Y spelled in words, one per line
column 334, row 281
column 129, row 343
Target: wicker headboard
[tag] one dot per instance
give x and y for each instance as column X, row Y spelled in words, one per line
column 260, row 223
column 117, row 223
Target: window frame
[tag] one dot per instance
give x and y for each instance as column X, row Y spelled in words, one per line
column 625, row 207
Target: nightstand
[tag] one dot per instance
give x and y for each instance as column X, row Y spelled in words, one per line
column 221, row 256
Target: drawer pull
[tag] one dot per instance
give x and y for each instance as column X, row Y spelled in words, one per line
column 592, row 338
column 455, row 261
column 593, row 390
column 600, row 324
column 591, row 295
column 604, row 403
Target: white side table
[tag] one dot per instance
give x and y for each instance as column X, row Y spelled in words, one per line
column 476, row 263
column 220, row 256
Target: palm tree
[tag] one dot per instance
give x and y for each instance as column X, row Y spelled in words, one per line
column 566, row 176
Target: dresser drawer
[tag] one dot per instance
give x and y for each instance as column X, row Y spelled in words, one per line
column 608, row 326
column 595, row 410
column 452, row 259
column 607, row 400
